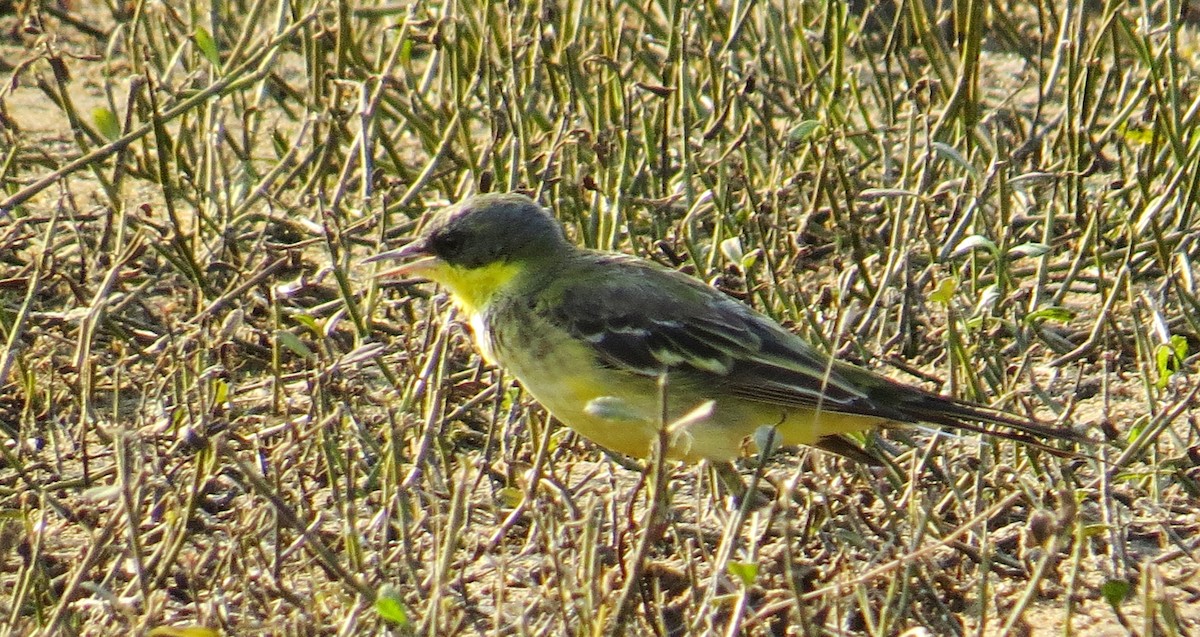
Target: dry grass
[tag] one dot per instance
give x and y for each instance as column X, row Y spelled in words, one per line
column 211, row 418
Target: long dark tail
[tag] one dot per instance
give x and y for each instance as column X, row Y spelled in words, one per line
column 959, row 414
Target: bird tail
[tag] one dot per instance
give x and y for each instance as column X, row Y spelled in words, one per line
column 965, row 416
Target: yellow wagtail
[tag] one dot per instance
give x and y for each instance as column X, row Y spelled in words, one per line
column 590, row 334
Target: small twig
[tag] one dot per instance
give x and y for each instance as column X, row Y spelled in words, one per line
column 652, row 528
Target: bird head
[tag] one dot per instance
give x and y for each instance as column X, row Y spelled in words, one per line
column 479, row 245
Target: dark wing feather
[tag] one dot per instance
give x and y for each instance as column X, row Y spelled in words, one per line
column 648, row 320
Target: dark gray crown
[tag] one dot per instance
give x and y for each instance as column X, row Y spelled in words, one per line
column 498, row 227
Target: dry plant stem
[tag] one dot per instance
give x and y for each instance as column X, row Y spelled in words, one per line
column 251, row 20
column 264, row 272
column 369, row 106
column 87, row 331
column 81, row 132
column 747, row 499
column 817, row 161
column 442, row 572
column 1093, row 338
column 100, row 543
column 311, row 540
column 25, row 583
column 242, row 73
column 261, row 190
column 178, row 534
column 733, row 534
column 1048, row 557
column 443, row 148
column 653, row 520
column 31, row 290
column 429, row 385
column 841, row 587
column 130, row 485
column 964, row 100
column 528, row 497
column 1151, row 432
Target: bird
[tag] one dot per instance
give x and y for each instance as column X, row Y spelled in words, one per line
column 622, row 349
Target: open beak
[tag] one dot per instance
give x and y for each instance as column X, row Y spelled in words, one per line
column 419, row 261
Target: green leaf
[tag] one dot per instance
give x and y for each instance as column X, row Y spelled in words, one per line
column 389, row 605
column 944, row 293
column 1136, row 136
column 1030, row 249
column 309, row 321
column 750, row 259
column 1139, row 425
column 988, row 299
column 1116, row 591
column 949, row 152
column 204, row 41
column 1052, row 313
column 1168, row 358
column 803, row 130
column 973, row 242
column 1179, row 344
column 106, row 122
column 746, row 572
column 406, row 51
column 1162, row 361
column 279, row 144
column 293, row 343
column 511, row 496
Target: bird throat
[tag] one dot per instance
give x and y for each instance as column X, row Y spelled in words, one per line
column 474, row 288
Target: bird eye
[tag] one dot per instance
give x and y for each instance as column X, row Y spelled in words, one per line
column 448, row 244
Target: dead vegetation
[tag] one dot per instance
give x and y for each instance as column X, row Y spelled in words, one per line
column 211, row 418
